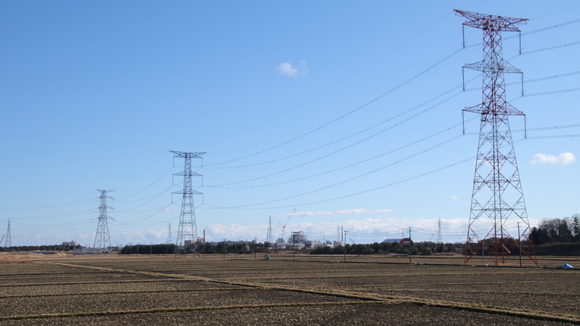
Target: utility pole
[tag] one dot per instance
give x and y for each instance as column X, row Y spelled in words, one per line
column 520, row 244
column 225, row 248
column 497, row 190
column 410, row 244
column 269, row 234
column 187, row 229
column 344, row 236
column 102, row 237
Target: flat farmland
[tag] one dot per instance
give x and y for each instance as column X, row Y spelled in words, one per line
column 285, row 290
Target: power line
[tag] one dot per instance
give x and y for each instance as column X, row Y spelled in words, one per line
column 355, row 73
column 359, row 162
column 150, row 199
column 343, row 115
column 369, row 137
column 157, row 211
column 248, row 206
column 341, row 149
column 552, row 48
column 568, row 90
column 344, row 181
column 543, row 29
column 147, row 187
column 73, row 203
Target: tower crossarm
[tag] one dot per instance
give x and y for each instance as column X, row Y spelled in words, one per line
column 505, row 109
column 498, row 66
column 188, row 173
column 188, row 154
column 491, row 22
column 188, row 192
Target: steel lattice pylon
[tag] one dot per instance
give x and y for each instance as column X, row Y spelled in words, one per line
column 187, row 229
column 497, row 191
column 8, row 242
column 102, row 238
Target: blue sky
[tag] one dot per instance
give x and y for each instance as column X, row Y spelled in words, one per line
column 347, row 111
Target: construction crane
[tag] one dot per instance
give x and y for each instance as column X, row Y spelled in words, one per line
column 284, row 225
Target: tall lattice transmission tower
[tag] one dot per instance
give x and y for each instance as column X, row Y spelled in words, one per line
column 269, row 235
column 8, row 242
column 439, row 235
column 187, row 229
column 497, row 191
column 102, row 238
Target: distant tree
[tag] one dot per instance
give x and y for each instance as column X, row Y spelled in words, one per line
column 556, row 230
column 539, row 236
column 576, row 227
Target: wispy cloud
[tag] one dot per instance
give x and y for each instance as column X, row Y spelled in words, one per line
column 562, row 159
column 365, row 230
column 356, row 211
column 290, row 70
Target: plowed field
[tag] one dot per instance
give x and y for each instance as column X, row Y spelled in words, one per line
column 286, row 290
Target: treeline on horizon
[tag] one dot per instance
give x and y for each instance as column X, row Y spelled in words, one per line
column 551, row 236
column 558, row 230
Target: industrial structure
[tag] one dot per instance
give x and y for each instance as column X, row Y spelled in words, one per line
column 269, row 233
column 8, row 242
column 187, row 229
column 497, row 191
column 102, row 237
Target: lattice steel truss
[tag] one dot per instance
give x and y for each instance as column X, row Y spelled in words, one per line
column 102, row 238
column 187, row 229
column 8, row 242
column 497, row 191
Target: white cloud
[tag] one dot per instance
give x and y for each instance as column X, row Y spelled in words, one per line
column 562, row 159
column 218, row 232
column 287, row 69
column 364, row 230
column 355, row 211
column 454, row 198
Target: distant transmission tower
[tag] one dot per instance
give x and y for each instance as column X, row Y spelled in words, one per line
column 187, row 229
column 102, row 238
column 439, row 235
column 169, row 234
column 497, row 191
column 8, row 242
column 269, row 235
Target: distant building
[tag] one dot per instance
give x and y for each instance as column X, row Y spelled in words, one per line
column 393, row 240
column 312, row 244
column 297, row 238
column 70, row 243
